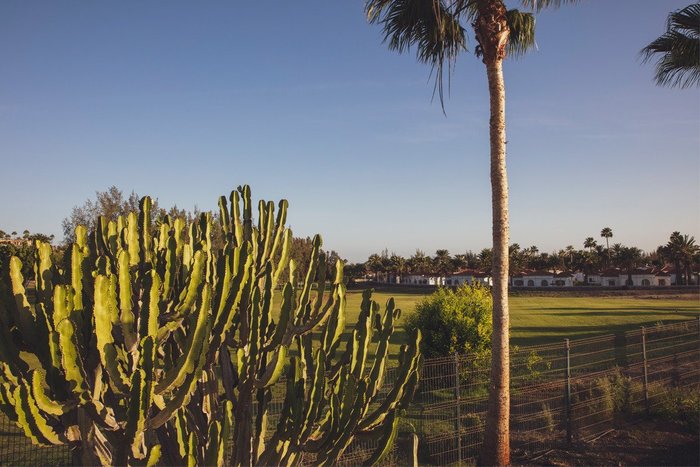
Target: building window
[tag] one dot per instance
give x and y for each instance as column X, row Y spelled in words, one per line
column 629, row 282
column 531, row 283
column 544, row 283
column 662, row 281
column 449, row 281
column 646, row 282
column 611, row 283
column 518, row 283
column 559, row 282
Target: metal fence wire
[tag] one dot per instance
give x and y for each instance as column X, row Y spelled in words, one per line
column 560, row 392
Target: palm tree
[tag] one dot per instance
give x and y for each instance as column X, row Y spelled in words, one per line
column 460, row 262
column 374, row 264
column 681, row 250
column 419, row 263
column 398, row 266
column 436, row 28
column 678, row 49
column 569, row 250
column 485, row 257
column 628, row 258
column 589, row 243
column 442, row 263
column 607, row 234
column 515, row 259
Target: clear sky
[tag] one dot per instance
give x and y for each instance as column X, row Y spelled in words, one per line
column 187, row 100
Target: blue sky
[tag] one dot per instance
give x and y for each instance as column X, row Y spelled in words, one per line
column 187, row 100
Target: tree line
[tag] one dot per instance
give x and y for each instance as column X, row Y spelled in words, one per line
column 113, row 203
column 680, row 251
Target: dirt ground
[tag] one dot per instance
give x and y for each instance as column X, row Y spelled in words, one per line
column 647, row 443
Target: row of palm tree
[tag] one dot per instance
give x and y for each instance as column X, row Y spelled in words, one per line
column 681, row 251
column 26, row 235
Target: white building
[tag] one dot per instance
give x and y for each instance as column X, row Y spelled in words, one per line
column 640, row 277
column 595, row 279
column 644, row 278
column 611, row 278
column 469, row 276
column 422, row 279
column 563, row 279
column 542, row 279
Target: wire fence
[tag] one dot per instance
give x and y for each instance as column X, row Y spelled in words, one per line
column 574, row 390
column 560, row 393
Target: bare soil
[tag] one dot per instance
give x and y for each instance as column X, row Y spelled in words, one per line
column 647, row 443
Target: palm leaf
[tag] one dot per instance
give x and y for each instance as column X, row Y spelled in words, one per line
column 539, row 5
column 522, row 32
column 686, row 20
column 678, row 49
column 428, row 25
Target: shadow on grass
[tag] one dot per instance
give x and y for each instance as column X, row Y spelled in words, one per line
column 551, row 334
column 630, row 312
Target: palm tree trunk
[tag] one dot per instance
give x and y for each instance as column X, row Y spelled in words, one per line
column 497, row 436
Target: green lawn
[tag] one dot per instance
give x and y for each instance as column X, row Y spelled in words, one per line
column 537, row 320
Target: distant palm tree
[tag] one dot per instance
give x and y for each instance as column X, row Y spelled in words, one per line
column 678, row 49
column 442, row 263
column 460, row 261
column 419, row 263
column 589, row 243
column 607, row 234
column 515, row 260
column 485, row 259
column 570, row 253
column 681, row 250
column 628, row 258
column 398, row 265
column 374, row 264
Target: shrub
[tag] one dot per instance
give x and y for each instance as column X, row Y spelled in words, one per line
column 680, row 405
column 454, row 321
column 625, row 391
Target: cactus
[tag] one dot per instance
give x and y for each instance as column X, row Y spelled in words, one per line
column 150, row 343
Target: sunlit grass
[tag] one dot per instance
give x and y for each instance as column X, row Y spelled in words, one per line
column 541, row 319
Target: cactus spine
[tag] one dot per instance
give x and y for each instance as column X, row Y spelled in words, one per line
column 151, row 344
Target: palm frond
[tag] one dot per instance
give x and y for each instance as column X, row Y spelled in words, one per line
column 429, row 25
column 522, row 32
column 539, row 5
column 678, row 49
column 466, row 9
column 686, row 19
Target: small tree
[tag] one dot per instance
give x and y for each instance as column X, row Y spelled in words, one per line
column 454, row 321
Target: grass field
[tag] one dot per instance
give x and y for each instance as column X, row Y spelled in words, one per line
column 542, row 319
column 534, row 320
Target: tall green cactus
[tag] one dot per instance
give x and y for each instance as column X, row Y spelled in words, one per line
column 150, row 342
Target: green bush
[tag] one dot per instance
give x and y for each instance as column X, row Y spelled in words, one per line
column 680, row 405
column 454, row 321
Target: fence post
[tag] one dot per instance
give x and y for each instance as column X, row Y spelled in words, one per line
column 458, row 410
column 646, row 371
column 567, row 394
